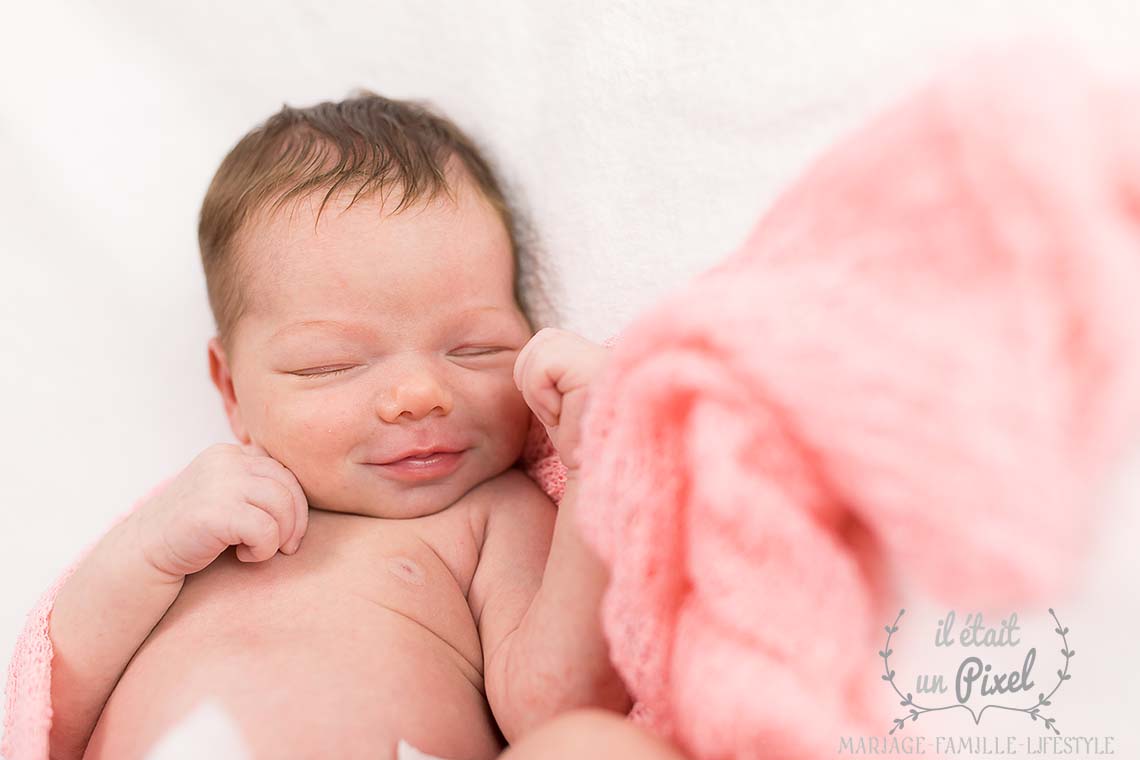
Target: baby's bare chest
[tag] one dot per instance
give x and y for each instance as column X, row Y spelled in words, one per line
column 338, row 632
column 350, row 572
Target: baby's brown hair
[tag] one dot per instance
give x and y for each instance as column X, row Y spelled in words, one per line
column 367, row 142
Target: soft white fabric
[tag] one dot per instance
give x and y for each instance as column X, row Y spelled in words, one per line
column 405, row 751
column 207, row 731
column 642, row 137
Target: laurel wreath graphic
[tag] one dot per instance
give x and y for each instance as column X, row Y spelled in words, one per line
column 1033, row 711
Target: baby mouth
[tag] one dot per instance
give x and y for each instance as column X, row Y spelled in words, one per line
column 431, row 465
column 424, row 458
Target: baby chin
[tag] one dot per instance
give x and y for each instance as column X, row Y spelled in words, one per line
column 410, row 489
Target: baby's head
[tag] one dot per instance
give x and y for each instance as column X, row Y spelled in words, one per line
column 363, row 271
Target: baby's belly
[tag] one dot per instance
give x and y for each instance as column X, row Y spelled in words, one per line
column 332, row 654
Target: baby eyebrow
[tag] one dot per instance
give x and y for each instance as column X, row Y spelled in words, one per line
column 353, row 327
column 310, row 324
column 479, row 310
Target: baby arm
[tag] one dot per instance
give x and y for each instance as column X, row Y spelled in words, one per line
column 100, row 617
column 229, row 495
column 543, row 648
column 538, row 611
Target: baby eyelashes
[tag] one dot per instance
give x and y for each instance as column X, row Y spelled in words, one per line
column 330, row 370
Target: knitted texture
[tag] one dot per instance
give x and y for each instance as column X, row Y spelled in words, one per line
column 27, row 693
column 920, row 364
column 541, row 461
column 27, row 696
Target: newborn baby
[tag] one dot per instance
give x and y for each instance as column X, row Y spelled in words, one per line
column 368, row 563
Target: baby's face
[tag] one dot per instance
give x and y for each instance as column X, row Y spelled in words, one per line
column 374, row 335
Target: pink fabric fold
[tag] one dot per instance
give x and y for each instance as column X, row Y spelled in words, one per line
column 921, row 363
column 27, row 696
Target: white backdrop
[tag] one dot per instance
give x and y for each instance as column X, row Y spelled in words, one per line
column 643, row 138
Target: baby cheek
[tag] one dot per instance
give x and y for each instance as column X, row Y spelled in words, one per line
column 308, row 428
column 315, row 441
column 511, row 413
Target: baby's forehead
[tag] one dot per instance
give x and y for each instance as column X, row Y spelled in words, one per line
column 320, row 219
column 282, row 226
column 351, row 256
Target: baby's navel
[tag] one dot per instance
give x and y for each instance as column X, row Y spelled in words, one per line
column 406, row 570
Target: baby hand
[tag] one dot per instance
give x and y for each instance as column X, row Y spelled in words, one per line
column 554, row 371
column 228, row 495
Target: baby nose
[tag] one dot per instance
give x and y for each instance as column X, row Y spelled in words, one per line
column 415, row 394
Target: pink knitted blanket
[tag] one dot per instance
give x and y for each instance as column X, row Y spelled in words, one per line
column 921, row 362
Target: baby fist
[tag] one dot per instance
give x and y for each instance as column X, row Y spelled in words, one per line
column 554, row 371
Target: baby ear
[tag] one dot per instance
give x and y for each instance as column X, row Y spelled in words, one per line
column 223, row 380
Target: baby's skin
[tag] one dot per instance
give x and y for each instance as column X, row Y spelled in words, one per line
column 363, row 637
column 330, row 601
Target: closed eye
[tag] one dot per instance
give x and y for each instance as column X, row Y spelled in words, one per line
column 320, row 372
column 481, row 351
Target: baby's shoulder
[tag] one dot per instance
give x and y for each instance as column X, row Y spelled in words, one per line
column 510, row 492
column 512, row 481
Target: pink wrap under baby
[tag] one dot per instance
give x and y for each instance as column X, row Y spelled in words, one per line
column 923, row 357
column 926, row 346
